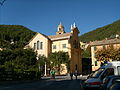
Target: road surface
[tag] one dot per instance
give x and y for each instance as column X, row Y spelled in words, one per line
column 60, row 83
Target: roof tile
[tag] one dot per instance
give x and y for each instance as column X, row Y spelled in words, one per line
column 106, row 42
column 60, row 36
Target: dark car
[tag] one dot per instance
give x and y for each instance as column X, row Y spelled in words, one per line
column 108, row 82
column 116, row 85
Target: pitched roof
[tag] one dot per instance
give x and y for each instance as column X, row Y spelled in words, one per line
column 105, row 42
column 36, row 35
column 53, row 37
column 60, row 36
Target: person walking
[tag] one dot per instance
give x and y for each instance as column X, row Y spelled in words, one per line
column 71, row 75
column 76, row 73
column 52, row 74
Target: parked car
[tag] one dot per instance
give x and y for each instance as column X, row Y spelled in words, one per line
column 108, row 82
column 116, row 85
column 95, row 81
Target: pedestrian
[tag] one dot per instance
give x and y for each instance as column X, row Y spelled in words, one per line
column 71, row 75
column 76, row 73
column 52, row 74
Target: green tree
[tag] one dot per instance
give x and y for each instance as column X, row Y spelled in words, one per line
column 102, row 32
column 86, row 54
column 58, row 58
column 18, row 59
column 14, row 36
column 108, row 54
column 41, row 63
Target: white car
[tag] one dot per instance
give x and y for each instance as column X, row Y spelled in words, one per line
column 112, row 68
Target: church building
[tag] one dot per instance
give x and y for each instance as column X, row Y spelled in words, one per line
column 62, row 41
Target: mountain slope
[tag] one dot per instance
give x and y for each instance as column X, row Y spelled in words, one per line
column 101, row 33
column 17, row 34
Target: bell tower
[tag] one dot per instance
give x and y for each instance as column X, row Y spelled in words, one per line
column 60, row 29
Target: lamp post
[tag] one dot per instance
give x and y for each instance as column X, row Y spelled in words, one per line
column 45, row 69
column 38, row 64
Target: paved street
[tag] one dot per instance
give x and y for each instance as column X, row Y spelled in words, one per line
column 60, row 83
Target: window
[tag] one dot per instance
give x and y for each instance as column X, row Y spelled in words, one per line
column 95, row 48
column 34, row 46
column 97, row 73
column 118, row 70
column 41, row 45
column 75, row 44
column 107, row 72
column 64, row 45
column 54, row 46
column 95, row 63
column 38, row 44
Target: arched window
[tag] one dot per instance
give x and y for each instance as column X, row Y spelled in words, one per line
column 41, row 45
column 34, row 46
column 38, row 45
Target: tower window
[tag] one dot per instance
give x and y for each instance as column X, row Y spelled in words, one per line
column 75, row 44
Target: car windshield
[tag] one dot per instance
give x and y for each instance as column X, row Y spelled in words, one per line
column 97, row 73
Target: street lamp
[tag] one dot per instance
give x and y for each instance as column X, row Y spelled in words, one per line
column 45, row 69
column 38, row 64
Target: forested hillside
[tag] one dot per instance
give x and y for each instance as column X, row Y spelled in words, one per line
column 101, row 33
column 14, row 36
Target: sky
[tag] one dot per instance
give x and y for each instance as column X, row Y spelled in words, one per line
column 44, row 16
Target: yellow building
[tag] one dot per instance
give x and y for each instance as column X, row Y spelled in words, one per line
column 97, row 45
column 67, row 42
